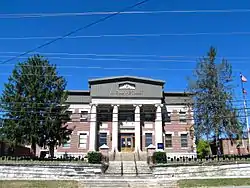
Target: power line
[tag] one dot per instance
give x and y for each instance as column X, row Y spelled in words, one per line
column 178, row 103
column 64, row 14
column 127, row 35
column 77, row 30
column 124, row 55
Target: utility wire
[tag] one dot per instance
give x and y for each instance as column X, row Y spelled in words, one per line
column 121, row 59
column 64, row 14
column 128, row 35
column 123, row 55
column 77, row 30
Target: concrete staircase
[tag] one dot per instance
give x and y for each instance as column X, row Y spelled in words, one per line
column 114, row 169
column 143, row 169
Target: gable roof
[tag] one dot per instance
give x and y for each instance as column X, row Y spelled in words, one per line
column 126, row 78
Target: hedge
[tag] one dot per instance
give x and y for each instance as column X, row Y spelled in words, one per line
column 94, row 157
column 160, row 157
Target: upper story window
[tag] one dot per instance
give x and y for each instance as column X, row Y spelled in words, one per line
column 104, row 115
column 84, row 116
column 167, row 117
column 126, row 115
column 69, row 113
column 182, row 117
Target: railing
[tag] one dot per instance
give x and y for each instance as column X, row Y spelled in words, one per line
column 121, row 166
column 138, row 153
column 136, row 169
column 114, row 154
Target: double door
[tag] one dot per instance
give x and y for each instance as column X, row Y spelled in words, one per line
column 127, row 143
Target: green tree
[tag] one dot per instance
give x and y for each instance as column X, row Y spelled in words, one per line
column 34, row 104
column 214, row 114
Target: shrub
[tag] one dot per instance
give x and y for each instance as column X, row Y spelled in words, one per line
column 203, row 149
column 94, row 157
column 160, row 157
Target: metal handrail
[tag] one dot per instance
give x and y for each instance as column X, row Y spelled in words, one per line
column 136, row 169
column 138, row 153
column 121, row 166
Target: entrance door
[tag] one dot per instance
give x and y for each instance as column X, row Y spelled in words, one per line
column 127, row 143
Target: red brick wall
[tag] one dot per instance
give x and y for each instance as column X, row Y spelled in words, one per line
column 76, row 125
column 176, row 126
column 229, row 147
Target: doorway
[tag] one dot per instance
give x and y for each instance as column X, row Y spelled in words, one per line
column 127, row 142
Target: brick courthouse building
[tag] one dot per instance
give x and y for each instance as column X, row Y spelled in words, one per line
column 128, row 114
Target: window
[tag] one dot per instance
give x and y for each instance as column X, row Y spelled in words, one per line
column 167, row 117
column 69, row 113
column 104, row 115
column 184, row 140
column 182, row 116
column 102, row 139
column 126, row 115
column 83, row 140
column 66, row 143
column 148, row 139
column 84, row 116
column 168, row 140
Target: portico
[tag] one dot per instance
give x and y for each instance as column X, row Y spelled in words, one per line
column 126, row 124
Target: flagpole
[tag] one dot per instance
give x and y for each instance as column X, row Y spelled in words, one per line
column 245, row 110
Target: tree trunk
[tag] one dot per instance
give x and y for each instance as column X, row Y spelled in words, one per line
column 33, row 148
column 51, row 151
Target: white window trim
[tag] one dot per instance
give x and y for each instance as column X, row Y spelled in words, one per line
column 83, row 132
column 168, row 132
column 182, row 132
column 105, row 131
column 144, row 132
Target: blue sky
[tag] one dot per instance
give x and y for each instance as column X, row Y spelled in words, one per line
column 188, row 46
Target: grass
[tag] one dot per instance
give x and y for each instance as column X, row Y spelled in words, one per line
column 214, row 182
column 38, row 184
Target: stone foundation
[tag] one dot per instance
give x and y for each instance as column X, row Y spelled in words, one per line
column 62, row 171
column 189, row 172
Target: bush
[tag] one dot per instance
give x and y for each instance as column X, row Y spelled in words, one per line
column 160, row 157
column 203, row 149
column 94, row 157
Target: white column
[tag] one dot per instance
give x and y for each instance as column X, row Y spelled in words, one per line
column 137, row 128
column 158, row 125
column 115, row 128
column 93, row 128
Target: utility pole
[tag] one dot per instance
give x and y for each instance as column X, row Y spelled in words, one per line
column 243, row 79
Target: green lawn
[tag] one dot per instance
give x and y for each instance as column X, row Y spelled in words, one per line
column 214, row 182
column 38, row 184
